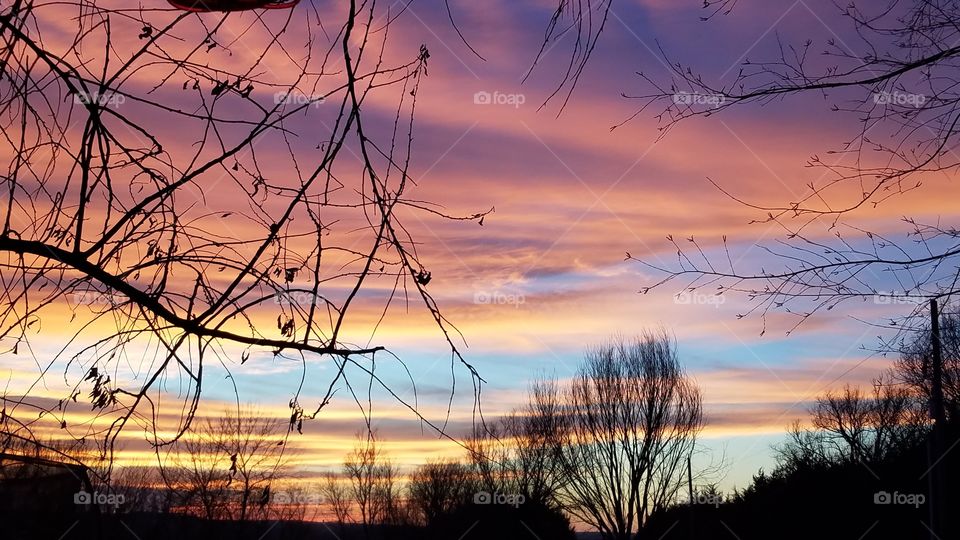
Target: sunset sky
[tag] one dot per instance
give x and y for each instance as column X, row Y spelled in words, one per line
column 546, row 274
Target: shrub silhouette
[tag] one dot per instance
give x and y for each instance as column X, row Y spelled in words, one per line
column 501, row 522
column 820, row 500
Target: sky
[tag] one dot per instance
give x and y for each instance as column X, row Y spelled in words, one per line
column 546, row 275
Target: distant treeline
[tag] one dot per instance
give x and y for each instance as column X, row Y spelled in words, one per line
column 608, row 450
column 863, row 469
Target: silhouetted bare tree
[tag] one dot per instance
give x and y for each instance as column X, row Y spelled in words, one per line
column 336, row 495
column 534, row 431
column 518, row 453
column 851, row 427
column 231, row 468
column 437, row 488
column 897, row 80
column 374, row 488
column 116, row 139
column 626, row 426
column 915, row 368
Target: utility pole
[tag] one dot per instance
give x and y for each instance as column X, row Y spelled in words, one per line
column 936, row 390
column 691, row 516
column 937, row 412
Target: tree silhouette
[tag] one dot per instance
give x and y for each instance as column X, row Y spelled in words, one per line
column 373, row 484
column 336, row 495
column 519, row 453
column 851, row 427
column 897, row 83
column 231, row 467
column 627, row 424
column 177, row 194
column 914, row 365
column 436, row 489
